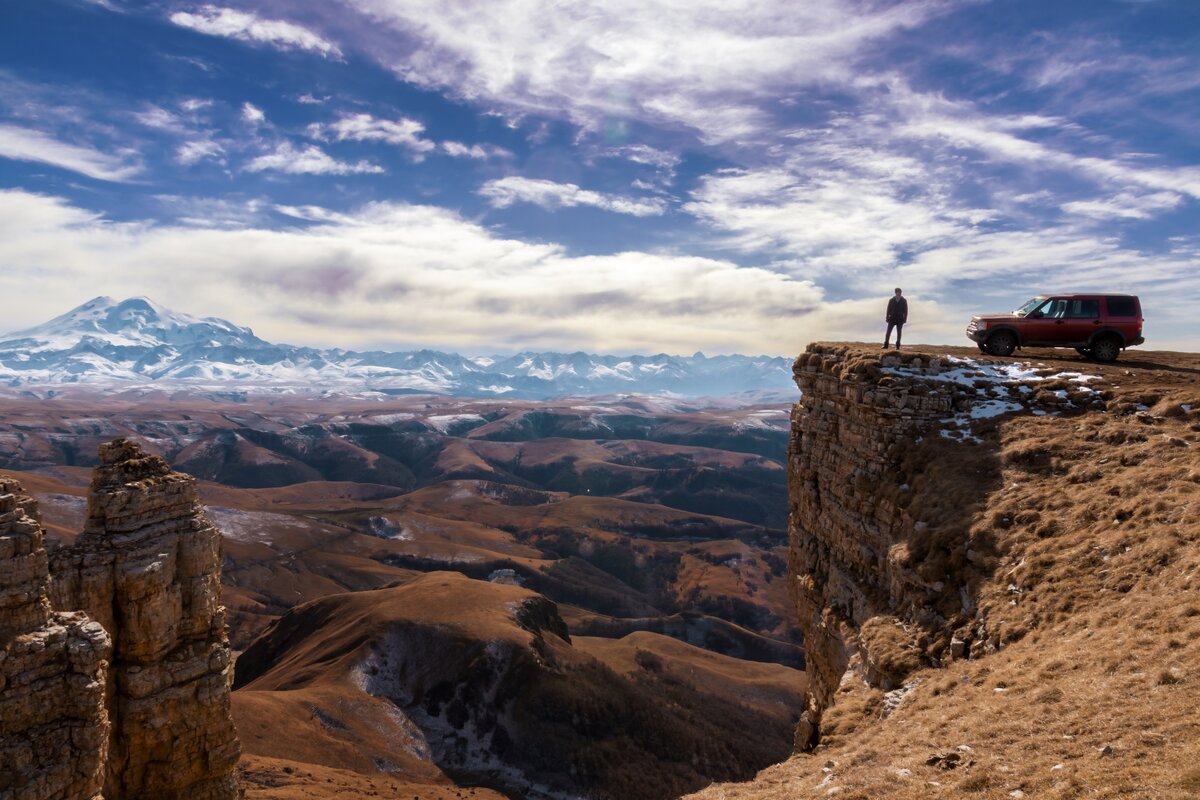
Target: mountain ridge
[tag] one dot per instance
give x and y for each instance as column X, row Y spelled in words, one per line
column 110, row 344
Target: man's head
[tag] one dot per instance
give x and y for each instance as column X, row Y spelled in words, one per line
column 898, row 292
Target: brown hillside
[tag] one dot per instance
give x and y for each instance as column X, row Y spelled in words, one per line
column 1089, row 591
column 447, row 675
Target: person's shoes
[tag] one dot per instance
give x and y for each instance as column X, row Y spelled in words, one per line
column 897, row 347
column 885, row 345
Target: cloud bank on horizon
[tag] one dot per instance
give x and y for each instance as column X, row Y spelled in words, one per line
column 607, row 175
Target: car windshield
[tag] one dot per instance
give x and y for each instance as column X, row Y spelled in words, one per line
column 1030, row 306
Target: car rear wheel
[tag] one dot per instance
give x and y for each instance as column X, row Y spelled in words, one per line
column 1001, row 343
column 1106, row 349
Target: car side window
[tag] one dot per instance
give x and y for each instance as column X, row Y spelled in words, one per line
column 1122, row 306
column 1055, row 309
column 1083, row 309
column 1046, row 309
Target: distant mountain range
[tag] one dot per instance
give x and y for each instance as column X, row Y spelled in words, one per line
column 110, row 344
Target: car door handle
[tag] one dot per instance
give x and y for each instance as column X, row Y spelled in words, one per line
column 1095, row 322
column 1059, row 321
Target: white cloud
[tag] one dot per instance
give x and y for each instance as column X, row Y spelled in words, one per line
column 478, row 152
column 310, row 99
column 309, row 160
column 959, row 126
column 208, row 212
column 663, row 160
column 403, row 132
column 702, row 64
column 832, row 209
column 393, row 275
column 194, row 104
column 503, row 192
column 253, row 114
column 1125, row 205
column 247, row 27
column 197, row 150
column 23, row 144
column 160, row 119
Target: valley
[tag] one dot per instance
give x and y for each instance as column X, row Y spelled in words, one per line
column 644, row 535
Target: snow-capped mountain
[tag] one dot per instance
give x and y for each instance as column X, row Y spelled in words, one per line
column 112, row 344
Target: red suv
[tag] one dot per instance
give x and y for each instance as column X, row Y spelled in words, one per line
column 1099, row 326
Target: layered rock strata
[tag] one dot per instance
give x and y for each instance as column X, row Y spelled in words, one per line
column 145, row 577
column 53, row 667
column 883, row 566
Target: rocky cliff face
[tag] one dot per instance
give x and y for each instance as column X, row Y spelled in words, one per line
column 145, row 578
column 884, row 560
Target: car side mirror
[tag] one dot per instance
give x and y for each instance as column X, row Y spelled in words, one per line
column 1036, row 315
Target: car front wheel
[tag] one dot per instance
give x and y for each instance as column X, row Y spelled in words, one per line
column 1106, row 349
column 1001, row 343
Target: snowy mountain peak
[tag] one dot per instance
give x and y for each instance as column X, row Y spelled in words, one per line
column 134, row 322
column 115, row 344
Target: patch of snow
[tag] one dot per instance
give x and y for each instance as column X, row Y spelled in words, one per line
column 250, row 526
column 506, row 575
column 443, row 421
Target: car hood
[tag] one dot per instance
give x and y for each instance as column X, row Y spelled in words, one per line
column 996, row 315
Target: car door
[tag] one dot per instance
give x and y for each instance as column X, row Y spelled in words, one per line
column 1044, row 325
column 1081, row 320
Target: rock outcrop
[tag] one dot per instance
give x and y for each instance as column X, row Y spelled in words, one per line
column 53, row 667
column 144, row 577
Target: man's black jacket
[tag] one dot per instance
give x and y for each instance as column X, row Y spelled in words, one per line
column 897, row 311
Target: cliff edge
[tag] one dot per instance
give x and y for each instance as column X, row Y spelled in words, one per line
column 996, row 565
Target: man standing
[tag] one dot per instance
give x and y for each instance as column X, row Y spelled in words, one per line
column 897, row 315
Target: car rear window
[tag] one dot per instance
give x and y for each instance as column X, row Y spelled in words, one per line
column 1083, row 309
column 1122, row 306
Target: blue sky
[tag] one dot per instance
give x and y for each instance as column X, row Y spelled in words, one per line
column 608, row 175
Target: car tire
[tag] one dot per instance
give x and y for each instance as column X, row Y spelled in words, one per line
column 1106, row 349
column 1002, row 343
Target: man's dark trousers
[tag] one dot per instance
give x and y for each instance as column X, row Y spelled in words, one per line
column 899, row 326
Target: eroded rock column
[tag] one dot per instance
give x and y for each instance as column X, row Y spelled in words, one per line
column 147, row 567
column 53, row 668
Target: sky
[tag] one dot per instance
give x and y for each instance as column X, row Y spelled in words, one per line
column 617, row 176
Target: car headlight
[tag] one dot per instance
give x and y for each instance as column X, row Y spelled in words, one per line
column 981, row 326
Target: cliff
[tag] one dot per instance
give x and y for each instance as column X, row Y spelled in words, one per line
column 146, row 711
column 985, row 556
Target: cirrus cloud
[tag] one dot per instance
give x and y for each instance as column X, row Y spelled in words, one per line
column 25, row 144
column 308, row 160
column 504, row 192
column 248, row 27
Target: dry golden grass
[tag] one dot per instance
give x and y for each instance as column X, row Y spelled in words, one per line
column 280, row 779
column 1095, row 593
